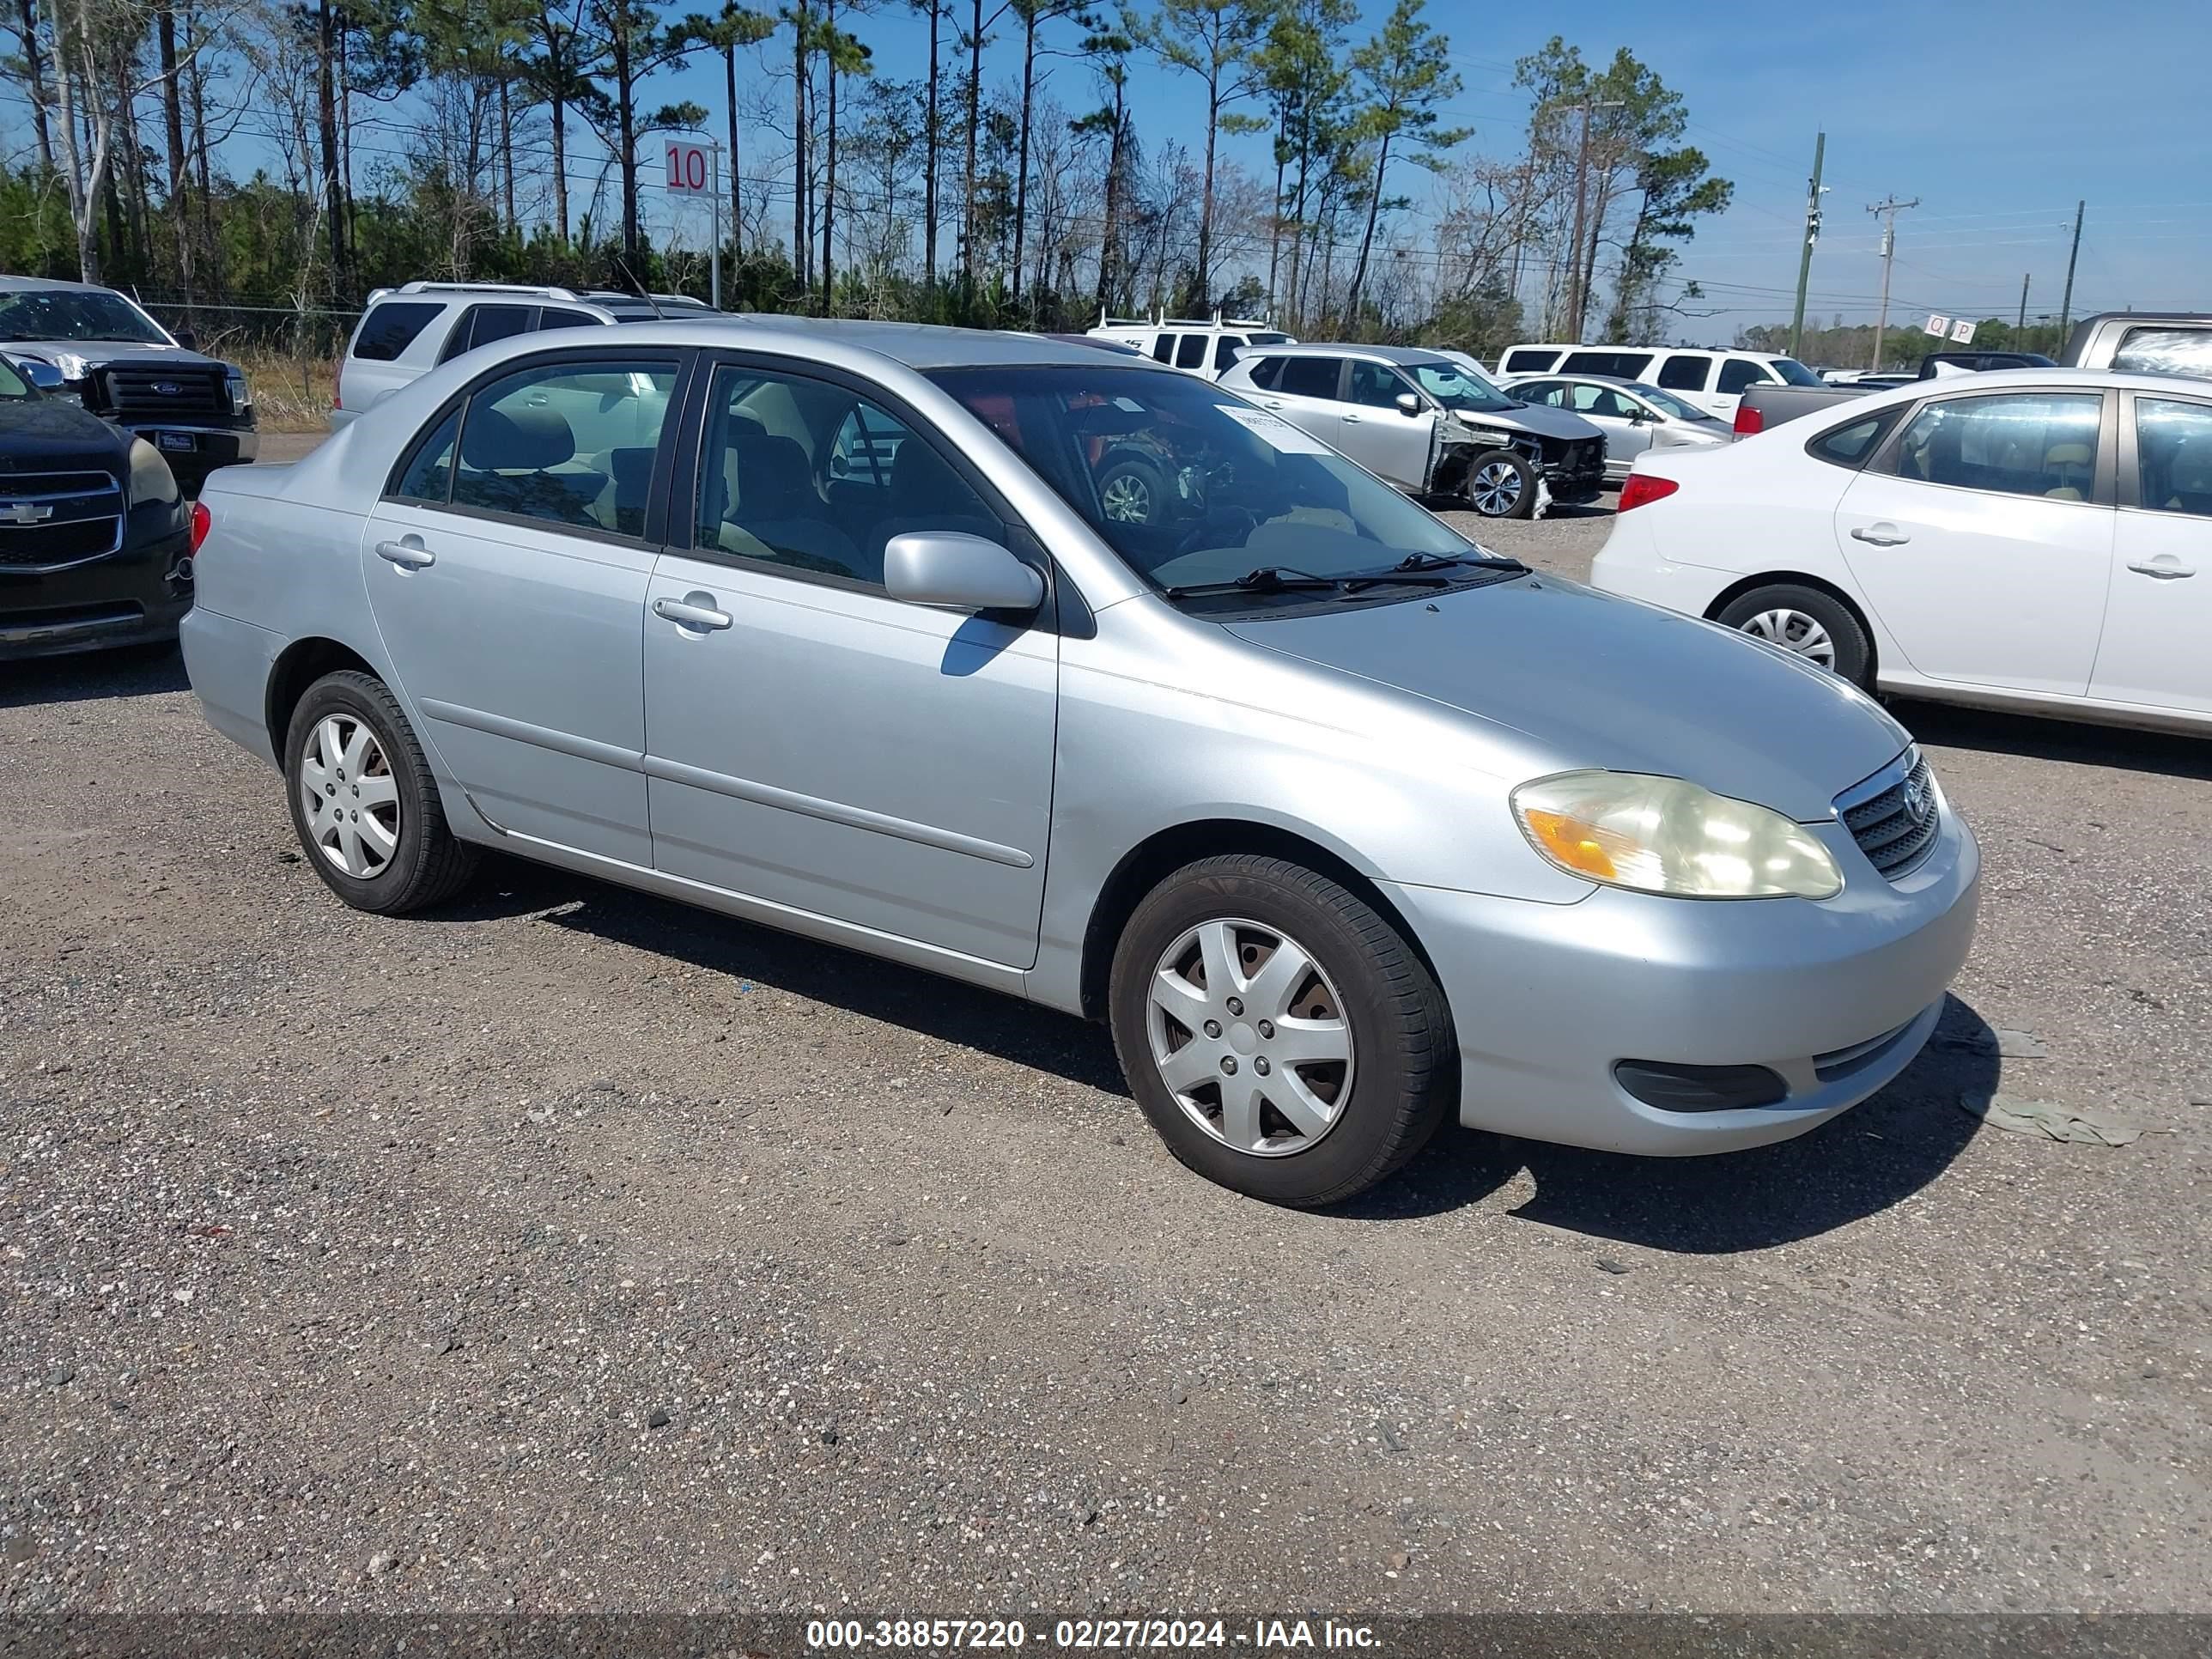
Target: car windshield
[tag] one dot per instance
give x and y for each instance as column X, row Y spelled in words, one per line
column 69, row 313
column 1192, row 487
column 1794, row 372
column 1454, row 388
column 13, row 388
column 1666, row 402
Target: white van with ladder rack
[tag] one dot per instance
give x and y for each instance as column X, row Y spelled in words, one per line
column 1201, row 346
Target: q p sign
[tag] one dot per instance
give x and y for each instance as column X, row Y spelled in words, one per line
column 691, row 167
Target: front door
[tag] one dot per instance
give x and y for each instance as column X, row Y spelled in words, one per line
column 2159, row 621
column 812, row 741
column 1377, row 433
column 1982, row 539
column 506, row 570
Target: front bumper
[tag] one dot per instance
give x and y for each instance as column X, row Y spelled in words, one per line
column 134, row 597
column 1835, row 997
column 193, row 451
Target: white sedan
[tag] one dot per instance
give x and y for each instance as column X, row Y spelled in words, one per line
column 2025, row 539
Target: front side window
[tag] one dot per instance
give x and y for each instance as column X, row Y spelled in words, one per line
column 1311, row 377
column 1668, row 404
column 1686, row 371
column 1552, row 394
column 72, row 313
column 389, row 329
column 1191, row 486
column 1374, row 385
column 2024, row 443
column 13, row 388
column 571, row 443
column 1737, row 373
column 1793, row 373
column 2173, row 456
column 2166, row 352
column 1224, row 351
column 809, row 476
column 1191, row 354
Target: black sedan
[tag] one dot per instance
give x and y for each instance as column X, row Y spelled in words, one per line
column 95, row 537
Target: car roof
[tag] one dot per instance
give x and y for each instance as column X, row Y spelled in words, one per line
column 32, row 284
column 918, row 346
column 1574, row 374
column 1386, row 353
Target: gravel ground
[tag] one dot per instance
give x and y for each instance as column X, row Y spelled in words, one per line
column 571, row 1249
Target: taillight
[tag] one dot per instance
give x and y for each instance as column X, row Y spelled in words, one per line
column 1642, row 487
column 1748, row 421
column 201, row 520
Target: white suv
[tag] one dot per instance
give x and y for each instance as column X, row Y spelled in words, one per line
column 407, row 331
column 1204, row 347
column 1709, row 378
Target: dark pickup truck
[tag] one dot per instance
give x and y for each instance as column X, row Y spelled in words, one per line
column 2131, row 341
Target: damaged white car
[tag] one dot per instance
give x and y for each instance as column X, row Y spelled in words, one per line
column 1416, row 418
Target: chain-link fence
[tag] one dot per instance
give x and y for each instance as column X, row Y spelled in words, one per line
column 222, row 331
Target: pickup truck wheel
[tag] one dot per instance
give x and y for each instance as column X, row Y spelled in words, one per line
column 1281, row 1036
column 1816, row 625
column 364, row 803
column 1501, row 485
column 1132, row 491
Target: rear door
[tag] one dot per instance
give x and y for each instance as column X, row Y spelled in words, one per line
column 1309, row 393
column 507, row 568
column 1982, row 537
column 2158, row 625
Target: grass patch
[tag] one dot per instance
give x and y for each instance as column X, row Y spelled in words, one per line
column 290, row 394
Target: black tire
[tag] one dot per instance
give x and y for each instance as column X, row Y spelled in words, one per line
column 1521, row 489
column 429, row 864
column 1130, row 481
column 1853, row 652
column 1405, row 1077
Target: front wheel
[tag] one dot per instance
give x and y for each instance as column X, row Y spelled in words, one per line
column 364, row 803
column 1815, row 625
column 1282, row 1037
column 1501, row 485
column 1132, row 491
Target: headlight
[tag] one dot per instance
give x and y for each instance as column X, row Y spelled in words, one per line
column 1666, row 835
column 242, row 395
column 150, row 478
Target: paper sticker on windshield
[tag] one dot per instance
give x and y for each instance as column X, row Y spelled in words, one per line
column 1274, row 431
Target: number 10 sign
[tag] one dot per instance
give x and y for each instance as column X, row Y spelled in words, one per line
column 691, row 168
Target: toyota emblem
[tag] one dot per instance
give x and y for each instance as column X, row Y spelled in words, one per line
column 1916, row 800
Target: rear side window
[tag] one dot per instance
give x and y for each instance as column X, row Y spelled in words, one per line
column 569, row 443
column 1191, row 354
column 1164, row 349
column 555, row 317
column 1851, row 446
column 389, row 329
column 1528, row 361
column 2166, row 352
column 2025, row 443
column 1311, row 377
column 1738, row 372
column 481, row 323
column 1686, row 371
column 1623, row 365
column 1265, row 372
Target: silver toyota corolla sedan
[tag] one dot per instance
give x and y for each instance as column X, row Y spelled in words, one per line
column 1342, row 823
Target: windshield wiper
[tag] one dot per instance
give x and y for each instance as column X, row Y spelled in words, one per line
column 1425, row 570
column 1267, row 579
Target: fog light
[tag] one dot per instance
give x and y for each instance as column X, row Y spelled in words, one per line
column 1699, row 1088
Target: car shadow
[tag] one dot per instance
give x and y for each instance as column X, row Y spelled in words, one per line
column 135, row 671
column 1852, row 1167
column 1953, row 726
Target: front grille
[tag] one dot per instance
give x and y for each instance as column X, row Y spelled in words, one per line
column 136, row 391
column 50, row 519
column 1895, row 828
column 1576, row 456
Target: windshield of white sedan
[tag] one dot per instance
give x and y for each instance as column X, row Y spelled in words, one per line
column 1203, row 493
column 68, row 314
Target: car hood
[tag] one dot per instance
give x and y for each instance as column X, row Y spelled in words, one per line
column 44, row 435
column 74, row 357
column 1539, row 418
column 1597, row 681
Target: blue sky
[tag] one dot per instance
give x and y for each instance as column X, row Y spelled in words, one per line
column 1997, row 117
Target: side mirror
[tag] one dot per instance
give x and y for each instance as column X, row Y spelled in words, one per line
column 1640, row 415
column 185, row 337
column 959, row 571
column 39, row 372
column 1409, row 404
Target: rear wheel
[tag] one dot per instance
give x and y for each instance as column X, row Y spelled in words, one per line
column 1815, row 625
column 1282, row 1037
column 364, row 803
column 1501, row 485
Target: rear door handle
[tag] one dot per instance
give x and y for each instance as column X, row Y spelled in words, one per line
column 1349, row 419
column 2166, row 569
column 1271, row 403
column 408, row 553
column 685, row 613
column 1879, row 535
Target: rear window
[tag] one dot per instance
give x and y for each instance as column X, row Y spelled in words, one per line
column 1528, row 361
column 389, row 329
column 1625, row 365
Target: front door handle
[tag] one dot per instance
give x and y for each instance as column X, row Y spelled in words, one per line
column 1879, row 535
column 2166, row 567
column 1350, row 420
column 694, row 610
column 1271, row 403
column 408, row 553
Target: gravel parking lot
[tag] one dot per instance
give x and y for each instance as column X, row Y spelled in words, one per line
column 570, row 1249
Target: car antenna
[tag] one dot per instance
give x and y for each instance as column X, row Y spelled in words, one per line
column 658, row 315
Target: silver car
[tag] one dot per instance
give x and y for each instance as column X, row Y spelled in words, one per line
column 1633, row 416
column 1343, row 825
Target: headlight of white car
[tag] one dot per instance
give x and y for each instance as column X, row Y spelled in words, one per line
column 1666, row 835
column 150, row 478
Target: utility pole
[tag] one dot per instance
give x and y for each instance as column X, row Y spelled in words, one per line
column 1888, row 211
column 2021, row 327
column 1578, row 300
column 2066, row 305
column 1811, row 235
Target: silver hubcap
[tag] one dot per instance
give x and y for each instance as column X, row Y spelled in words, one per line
column 1793, row 630
column 1496, row 489
column 348, row 796
column 1250, row 1038
column 1128, row 499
